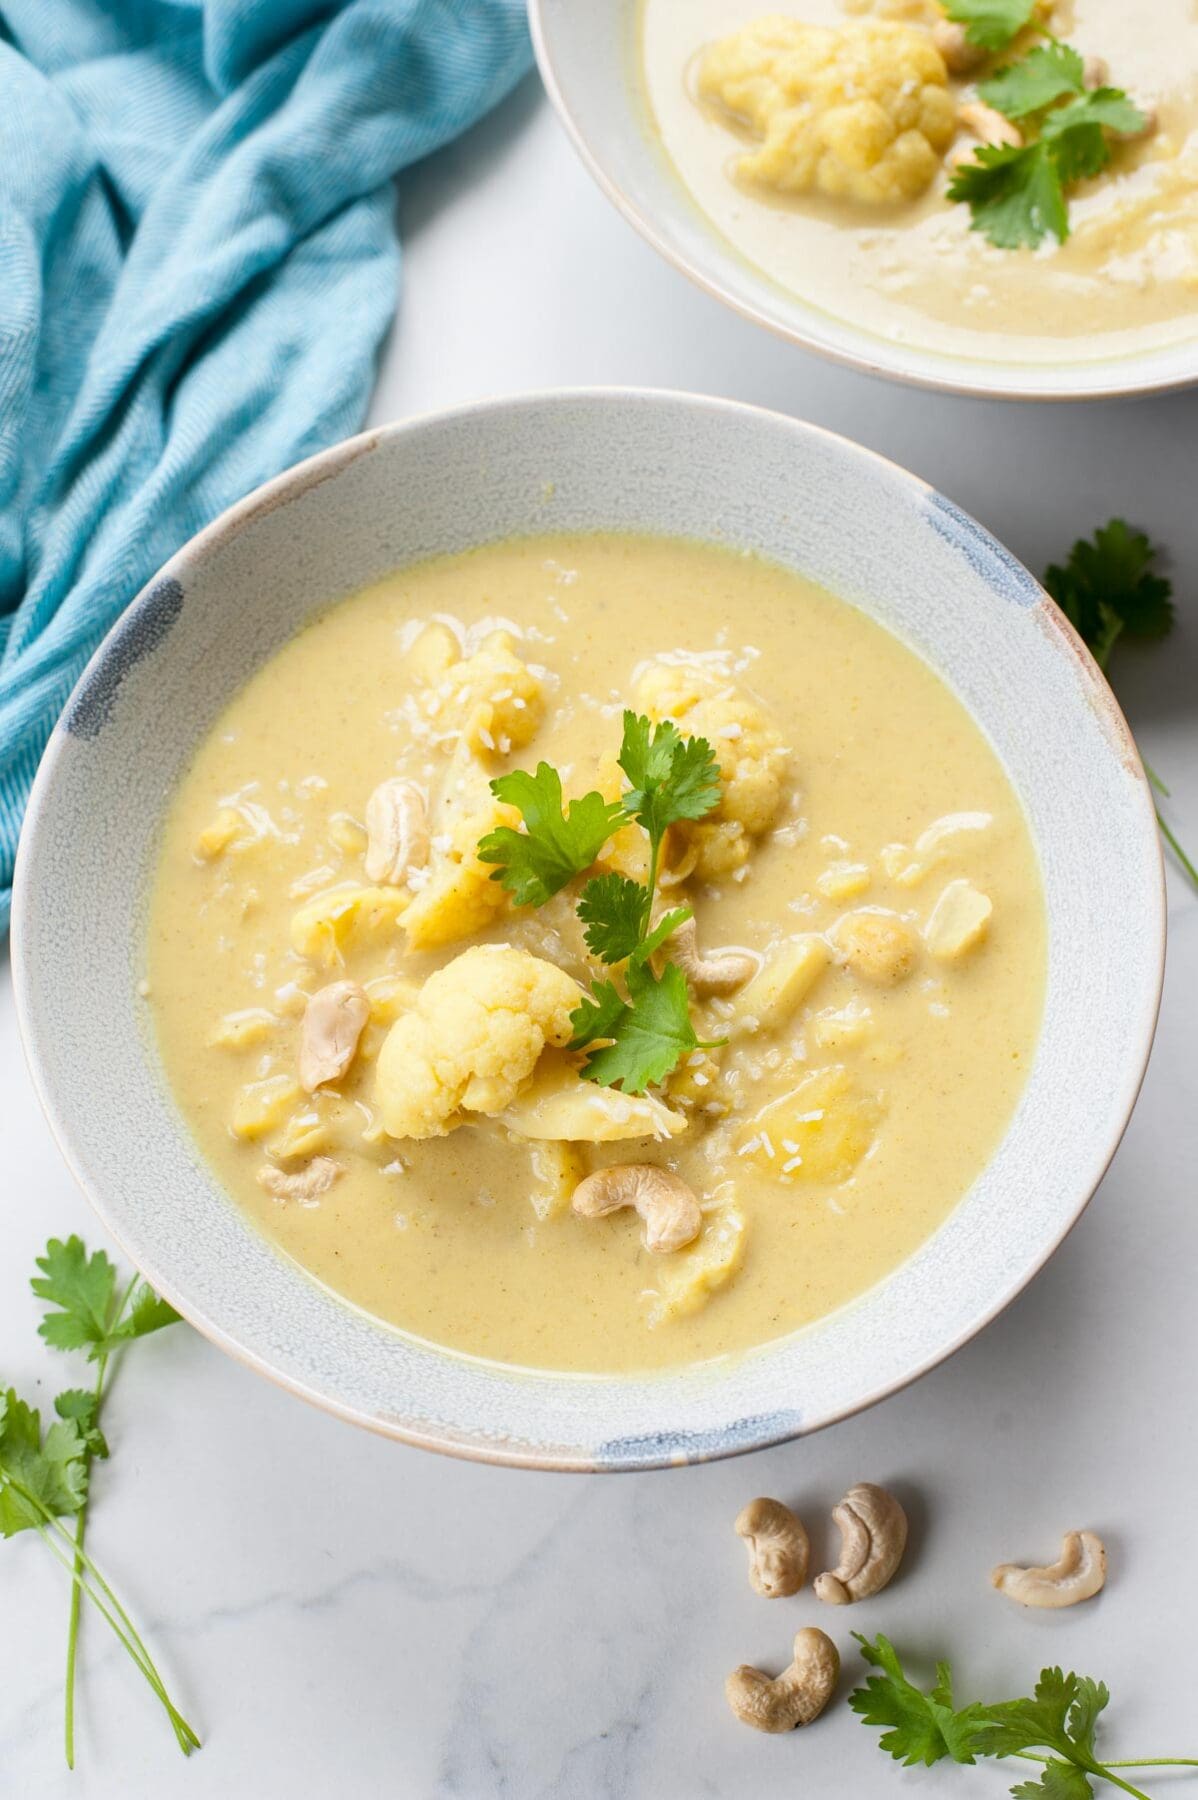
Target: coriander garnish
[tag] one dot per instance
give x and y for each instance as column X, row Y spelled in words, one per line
column 637, row 1039
column 991, row 24
column 44, row 1479
column 1017, row 192
column 1054, row 1726
column 1108, row 589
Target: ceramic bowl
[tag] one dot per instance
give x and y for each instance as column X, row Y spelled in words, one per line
column 588, row 55
column 655, row 462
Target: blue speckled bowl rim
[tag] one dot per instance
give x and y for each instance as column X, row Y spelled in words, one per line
column 146, row 620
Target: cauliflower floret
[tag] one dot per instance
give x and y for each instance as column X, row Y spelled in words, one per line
column 492, row 697
column 753, row 759
column 856, row 112
column 472, row 1040
column 459, row 897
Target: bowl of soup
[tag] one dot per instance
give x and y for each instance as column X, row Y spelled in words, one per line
column 801, row 165
column 591, row 931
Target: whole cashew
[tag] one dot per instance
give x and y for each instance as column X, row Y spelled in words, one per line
column 778, row 1548
column 1078, row 1574
column 333, row 1021
column 988, row 124
column 668, row 1207
column 795, row 1697
column 873, row 1529
column 396, row 832
column 316, row 1178
column 961, row 56
column 719, row 972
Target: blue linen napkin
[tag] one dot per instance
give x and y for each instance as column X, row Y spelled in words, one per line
column 198, row 263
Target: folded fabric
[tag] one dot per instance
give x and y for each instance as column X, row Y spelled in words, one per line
column 198, row 263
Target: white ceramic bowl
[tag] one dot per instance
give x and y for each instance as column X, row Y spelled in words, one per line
column 588, row 56
column 663, row 463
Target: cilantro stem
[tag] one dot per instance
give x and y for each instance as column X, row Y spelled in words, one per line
column 80, row 1533
column 1154, row 1762
column 101, row 1596
column 1179, row 853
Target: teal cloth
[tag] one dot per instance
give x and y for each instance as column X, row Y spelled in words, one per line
column 198, row 264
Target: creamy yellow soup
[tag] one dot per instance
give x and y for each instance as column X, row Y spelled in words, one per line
column 868, row 864
column 1125, row 281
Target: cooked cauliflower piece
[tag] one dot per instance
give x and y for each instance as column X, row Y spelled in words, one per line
column 753, row 760
column 472, row 1040
column 688, row 1279
column 493, row 698
column 459, row 898
column 857, row 112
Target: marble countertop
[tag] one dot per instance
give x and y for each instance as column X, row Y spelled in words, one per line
column 343, row 1616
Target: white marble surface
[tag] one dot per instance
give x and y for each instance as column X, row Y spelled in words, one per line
column 343, row 1616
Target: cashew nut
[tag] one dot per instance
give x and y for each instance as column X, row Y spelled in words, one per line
column 1095, row 71
column 988, row 124
column 719, row 972
column 334, row 1019
column 778, row 1548
column 668, row 1207
column 961, row 56
column 1148, row 129
column 873, row 1531
column 317, row 1177
column 396, row 832
column 795, row 1697
column 1078, row 1574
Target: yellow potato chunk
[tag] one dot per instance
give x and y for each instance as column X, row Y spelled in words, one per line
column 843, row 881
column 959, row 921
column 227, row 828
column 260, row 1105
column 493, row 697
column 818, row 1132
column 472, row 1040
column 559, row 1105
column 304, row 1134
column 857, row 112
column 781, row 985
column 557, row 1169
column 325, row 925
column 389, row 996
column 877, row 945
column 243, row 1030
column 688, row 1279
column 459, row 897
column 753, row 760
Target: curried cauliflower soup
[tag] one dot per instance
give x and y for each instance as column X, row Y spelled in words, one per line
column 820, row 140
column 370, row 1039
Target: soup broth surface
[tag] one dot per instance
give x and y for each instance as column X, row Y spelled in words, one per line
column 890, row 1089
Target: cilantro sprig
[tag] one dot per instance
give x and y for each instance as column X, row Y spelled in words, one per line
column 1016, row 193
column 635, row 1038
column 991, row 24
column 46, row 1477
column 1055, row 1726
column 1108, row 588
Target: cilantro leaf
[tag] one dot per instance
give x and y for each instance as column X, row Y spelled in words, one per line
column 665, row 928
column 148, row 1312
column 53, row 1471
column 81, row 1288
column 1059, row 1781
column 82, row 1406
column 991, row 23
column 556, row 845
column 924, row 1727
column 1108, row 587
column 1077, row 136
column 1045, row 75
column 1093, row 1698
column 671, row 777
column 1014, row 193
column 647, row 1034
column 613, row 910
